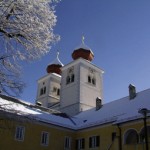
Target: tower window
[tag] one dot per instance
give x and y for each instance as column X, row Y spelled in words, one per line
column 89, row 79
column 94, row 81
column 54, row 89
column 43, row 90
column 68, row 80
column 58, row 91
column 72, row 78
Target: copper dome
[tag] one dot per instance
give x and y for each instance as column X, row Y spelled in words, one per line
column 83, row 51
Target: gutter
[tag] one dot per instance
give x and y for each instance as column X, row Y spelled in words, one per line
column 120, row 137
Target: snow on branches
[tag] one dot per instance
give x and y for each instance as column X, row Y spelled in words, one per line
column 26, row 27
column 26, row 33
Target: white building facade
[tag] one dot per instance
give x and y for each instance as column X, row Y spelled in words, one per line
column 76, row 87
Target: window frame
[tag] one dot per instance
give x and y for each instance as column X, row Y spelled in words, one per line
column 91, row 80
column 80, row 144
column 131, row 137
column 19, row 133
column 113, row 136
column 44, row 138
column 94, row 141
column 67, row 142
column 43, row 91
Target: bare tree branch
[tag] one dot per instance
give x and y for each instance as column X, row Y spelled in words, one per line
column 26, row 33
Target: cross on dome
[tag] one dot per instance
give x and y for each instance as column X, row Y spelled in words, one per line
column 83, row 39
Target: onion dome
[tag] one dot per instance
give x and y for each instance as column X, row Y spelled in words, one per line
column 55, row 66
column 83, row 51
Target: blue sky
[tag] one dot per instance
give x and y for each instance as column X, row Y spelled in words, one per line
column 117, row 31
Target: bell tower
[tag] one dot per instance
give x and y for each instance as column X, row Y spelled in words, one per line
column 81, row 82
column 48, row 93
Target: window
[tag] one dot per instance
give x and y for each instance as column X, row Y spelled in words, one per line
column 94, row 81
column 142, row 134
column 43, row 90
column 91, row 77
column 54, row 89
column 45, row 138
column 131, row 137
column 19, row 133
column 72, row 78
column 70, row 75
column 91, row 80
column 94, row 141
column 113, row 136
column 80, row 144
column 58, row 91
column 67, row 80
column 67, row 143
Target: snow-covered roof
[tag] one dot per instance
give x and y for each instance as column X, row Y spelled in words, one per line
column 117, row 111
column 29, row 110
column 114, row 112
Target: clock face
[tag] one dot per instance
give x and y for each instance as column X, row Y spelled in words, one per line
column 91, row 70
column 70, row 70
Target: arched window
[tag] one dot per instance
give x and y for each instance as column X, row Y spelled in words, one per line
column 44, row 90
column 72, row 78
column 89, row 79
column 93, row 81
column 41, row 91
column 142, row 134
column 131, row 137
column 58, row 92
column 70, row 75
column 68, row 80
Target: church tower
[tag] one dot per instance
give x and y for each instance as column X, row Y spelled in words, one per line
column 48, row 94
column 81, row 82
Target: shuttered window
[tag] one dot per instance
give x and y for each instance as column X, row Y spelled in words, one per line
column 94, row 141
column 80, row 144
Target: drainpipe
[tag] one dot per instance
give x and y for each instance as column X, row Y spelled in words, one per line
column 120, row 137
column 144, row 112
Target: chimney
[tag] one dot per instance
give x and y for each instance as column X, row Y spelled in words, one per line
column 132, row 91
column 98, row 103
